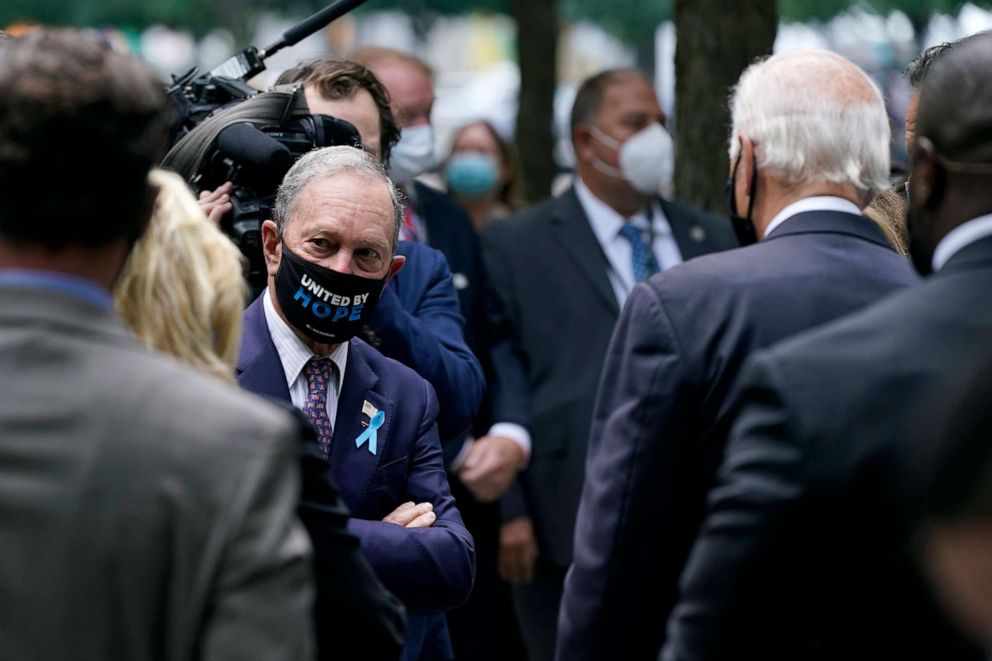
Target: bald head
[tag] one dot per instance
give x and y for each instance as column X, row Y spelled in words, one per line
column 813, row 116
column 955, row 112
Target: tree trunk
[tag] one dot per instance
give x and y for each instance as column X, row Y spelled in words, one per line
column 537, row 52
column 717, row 40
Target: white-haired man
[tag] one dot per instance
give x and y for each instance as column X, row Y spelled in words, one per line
column 809, row 147
column 330, row 252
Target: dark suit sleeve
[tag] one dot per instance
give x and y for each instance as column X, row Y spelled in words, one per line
column 355, row 617
column 430, row 569
column 430, row 340
column 732, row 588
column 510, row 391
column 634, row 528
column 262, row 598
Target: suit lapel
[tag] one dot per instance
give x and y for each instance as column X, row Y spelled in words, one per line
column 689, row 234
column 352, row 465
column 259, row 368
column 578, row 241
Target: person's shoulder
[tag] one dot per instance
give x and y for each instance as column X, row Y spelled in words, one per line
column 389, row 371
column 420, row 254
column 201, row 413
column 523, row 223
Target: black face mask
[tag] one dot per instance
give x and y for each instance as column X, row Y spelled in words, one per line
column 327, row 306
column 743, row 226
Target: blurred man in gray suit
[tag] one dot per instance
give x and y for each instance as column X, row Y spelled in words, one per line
column 148, row 511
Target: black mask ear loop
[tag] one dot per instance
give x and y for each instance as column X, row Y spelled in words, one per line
column 743, row 225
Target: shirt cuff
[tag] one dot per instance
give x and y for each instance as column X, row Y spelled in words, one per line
column 516, row 433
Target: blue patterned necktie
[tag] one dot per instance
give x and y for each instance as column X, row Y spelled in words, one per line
column 319, row 373
column 645, row 265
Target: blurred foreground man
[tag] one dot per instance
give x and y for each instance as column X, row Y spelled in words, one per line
column 330, row 252
column 148, row 509
column 806, row 551
column 809, row 146
column 564, row 268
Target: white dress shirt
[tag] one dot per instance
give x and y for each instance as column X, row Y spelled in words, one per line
column 606, row 224
column 815, row 203
column 294, row 355
column 961, row 236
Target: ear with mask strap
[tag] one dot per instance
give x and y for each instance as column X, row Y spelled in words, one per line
column 743, row 225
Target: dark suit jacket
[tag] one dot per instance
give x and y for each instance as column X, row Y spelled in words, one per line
column 487, row 330
column 148, row 509
column 418, row 323
column 429, row 569
column 660, row 423
column 552, row 275
column 805, row 553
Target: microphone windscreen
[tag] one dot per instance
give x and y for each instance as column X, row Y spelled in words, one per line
column 248, row 145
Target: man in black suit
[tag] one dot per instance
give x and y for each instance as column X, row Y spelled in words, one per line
column 806, row 550
column 564, row 268
column 660, row 423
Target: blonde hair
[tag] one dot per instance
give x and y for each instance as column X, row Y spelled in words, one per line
column 888, row 211
column 182, row 290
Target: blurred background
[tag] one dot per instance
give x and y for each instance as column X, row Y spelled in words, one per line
column 517, row 63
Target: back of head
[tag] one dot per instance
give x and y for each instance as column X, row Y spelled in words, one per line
column 955, row 111
column 342, row 79
column 80, row 127
column 373, row 56
column 182, row 289
column 813, row 116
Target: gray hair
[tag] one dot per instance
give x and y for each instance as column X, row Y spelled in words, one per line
column 813, row 116
column 327, row 162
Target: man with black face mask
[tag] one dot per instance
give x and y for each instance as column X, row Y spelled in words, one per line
column 809, row 143
column 807, row 550
column 329, row 253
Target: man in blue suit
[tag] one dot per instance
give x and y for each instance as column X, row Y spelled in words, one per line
column 810, row 144
column 330, row 252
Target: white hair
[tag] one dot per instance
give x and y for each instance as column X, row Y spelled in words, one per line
column 326, row 162
column 813, row 116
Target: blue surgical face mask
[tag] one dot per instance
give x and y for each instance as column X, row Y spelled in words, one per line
column 471, row 174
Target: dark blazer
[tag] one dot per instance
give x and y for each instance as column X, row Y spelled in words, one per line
column 805, row 553
column 429, row 569
column 661, row 422
column 487, row 332
column 418, row 323
column 148, row 509
column 551, row 273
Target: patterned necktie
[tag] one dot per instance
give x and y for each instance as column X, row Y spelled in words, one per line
column 645, row 265
column 319, row 373
column 408, row 230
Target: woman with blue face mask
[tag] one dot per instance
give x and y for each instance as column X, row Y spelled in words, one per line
column 480, row 173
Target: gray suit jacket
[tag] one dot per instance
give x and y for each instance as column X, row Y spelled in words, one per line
column 147, row 510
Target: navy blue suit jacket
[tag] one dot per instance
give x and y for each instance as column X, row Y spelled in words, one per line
column 429, row 569
column 661, row 422
column 809, row 547
column 417, row 322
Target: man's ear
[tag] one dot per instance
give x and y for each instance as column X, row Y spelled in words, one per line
column 581, row 139
column 925, row 176
column 271, row 247
column 745, row 172
column 395, row 266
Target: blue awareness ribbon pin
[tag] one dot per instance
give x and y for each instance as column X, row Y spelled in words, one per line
column 370, row 434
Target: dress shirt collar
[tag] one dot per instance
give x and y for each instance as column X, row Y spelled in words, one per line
column 816, row 203
column 87, row 290
column 961, row 236
column 293, row 353
column 606, row 222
